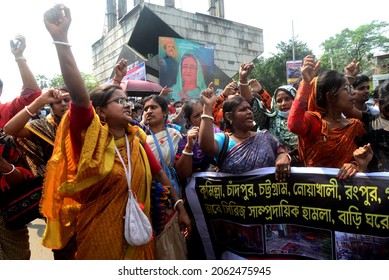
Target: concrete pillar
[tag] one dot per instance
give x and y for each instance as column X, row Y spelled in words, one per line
column 136, row 2
column 220, row 8
column 212, row 7
column 170, row 3
column 122, row 8
column 111, row 14
column 216, row 8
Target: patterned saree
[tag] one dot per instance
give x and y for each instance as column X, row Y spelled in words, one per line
column 37, row 150
column 256, row 152
column 86, row 196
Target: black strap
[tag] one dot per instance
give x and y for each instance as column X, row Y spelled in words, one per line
column 223, row 152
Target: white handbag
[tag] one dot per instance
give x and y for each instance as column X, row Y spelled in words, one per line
column 137, row 226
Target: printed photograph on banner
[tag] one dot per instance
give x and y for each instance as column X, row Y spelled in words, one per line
column 185, row 66
column 360, row 246
column 238, row 237
column 136, row 72
column 298, row 240
column 293, row 72
column 313, row 215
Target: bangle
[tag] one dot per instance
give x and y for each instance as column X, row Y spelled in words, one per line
column 205, row 116
column 12, row 170
column 61, row 43
column 178, row 201
column 29, row 112
column 187, row 153
column 289, row 157
column 243, row 84
column 20, row 58
column 116, row 80
column 349, row 76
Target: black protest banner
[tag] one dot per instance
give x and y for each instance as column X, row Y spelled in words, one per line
column 313, row 215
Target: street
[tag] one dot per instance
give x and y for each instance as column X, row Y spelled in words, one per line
column 38, row 251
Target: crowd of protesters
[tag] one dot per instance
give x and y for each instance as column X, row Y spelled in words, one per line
column 94, row 149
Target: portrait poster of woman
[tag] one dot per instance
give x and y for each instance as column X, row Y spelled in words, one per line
column 185, row 66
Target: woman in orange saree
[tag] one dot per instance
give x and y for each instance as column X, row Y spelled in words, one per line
column 86, row 187
column 326, row 137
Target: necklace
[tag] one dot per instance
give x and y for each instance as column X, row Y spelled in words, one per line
column 239, row 137
column 330, row 120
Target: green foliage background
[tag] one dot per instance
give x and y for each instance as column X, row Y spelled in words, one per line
column 338, row 51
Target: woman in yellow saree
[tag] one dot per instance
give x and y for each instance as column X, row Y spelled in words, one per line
column 86, row 187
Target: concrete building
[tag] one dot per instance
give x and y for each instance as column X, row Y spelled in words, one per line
column 134, row 36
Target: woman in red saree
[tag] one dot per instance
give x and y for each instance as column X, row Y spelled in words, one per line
column 326, row 137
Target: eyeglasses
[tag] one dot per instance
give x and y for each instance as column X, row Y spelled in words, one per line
column 349, row 89
column 122, row 101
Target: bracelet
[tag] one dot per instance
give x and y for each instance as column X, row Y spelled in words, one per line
column 61, row 43
column 187, row 153
column 178, row 201
column 205, row 116
column 349, row 76
column 243, row 84
column 20, row 58
column 116, row 80
column 29, row 112
column 12, row 170
column 288, row 155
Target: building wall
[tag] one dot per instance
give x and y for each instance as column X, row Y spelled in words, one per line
column 106, row 50
column 234, row 43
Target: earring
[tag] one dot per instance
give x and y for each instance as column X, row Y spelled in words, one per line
column 103, row 118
